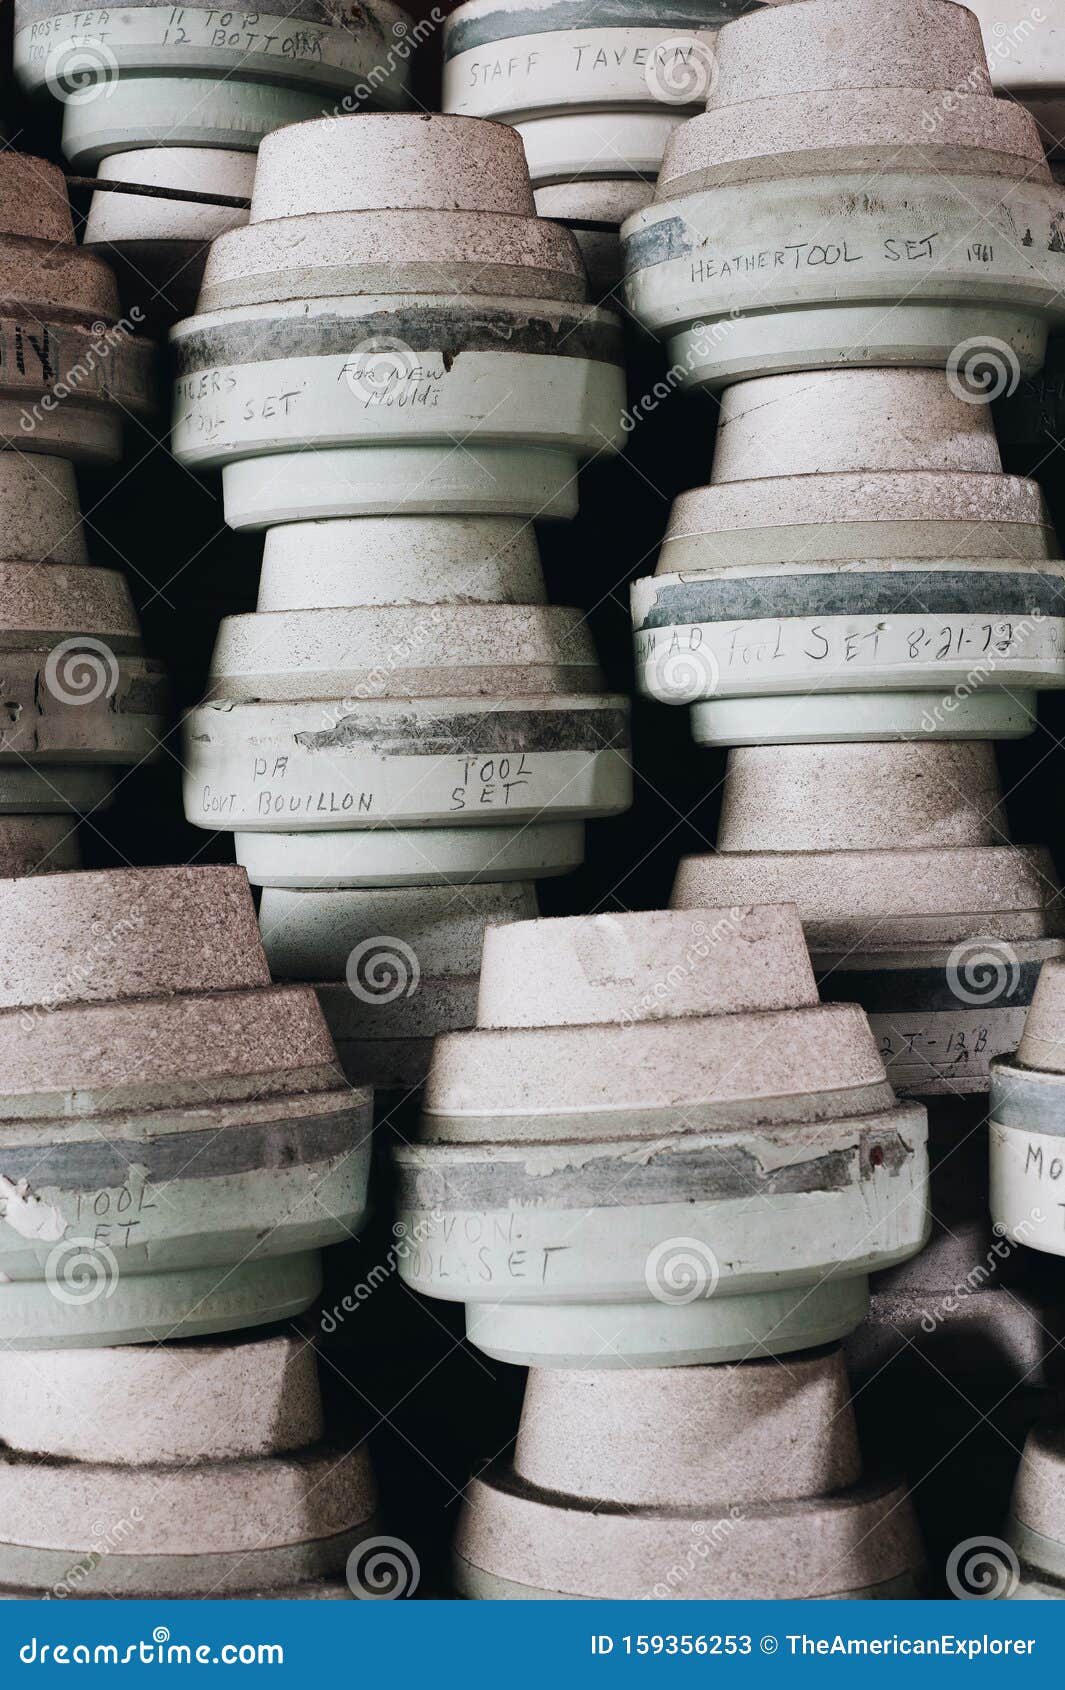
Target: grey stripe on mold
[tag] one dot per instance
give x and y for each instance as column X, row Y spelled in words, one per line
column 115, row 1574
column 563, row 334
column 513, row 731
column 465, row 34
column 917, row 592
column 687, row 1174
column 95, row 1163
column 668, row 238
column 1028, row 1102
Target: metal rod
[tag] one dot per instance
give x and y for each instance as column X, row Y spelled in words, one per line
column 231, row 201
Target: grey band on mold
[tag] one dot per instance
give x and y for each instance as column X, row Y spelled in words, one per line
column 255, row 1147
column 464, row 34
column 673, row 1174
column 566, row 334
column 948, row 592
column 473, row 733
column 1030, row 1102
column 115, row 1574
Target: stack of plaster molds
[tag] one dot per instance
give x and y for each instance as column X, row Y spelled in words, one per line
column 183, row 101
column 915, row 905
column 689, row 1483
column 213, row 1147
column 1027, row 1140
column 1036, row 1526
column 859, row 568
column 395, row 369
column 594, row 98
column 1026, row 1173
column 182, row 1469
column 81, row 700
column 657, row 1155
column 913, row 902
column 764, row 252
column 600, row 1086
